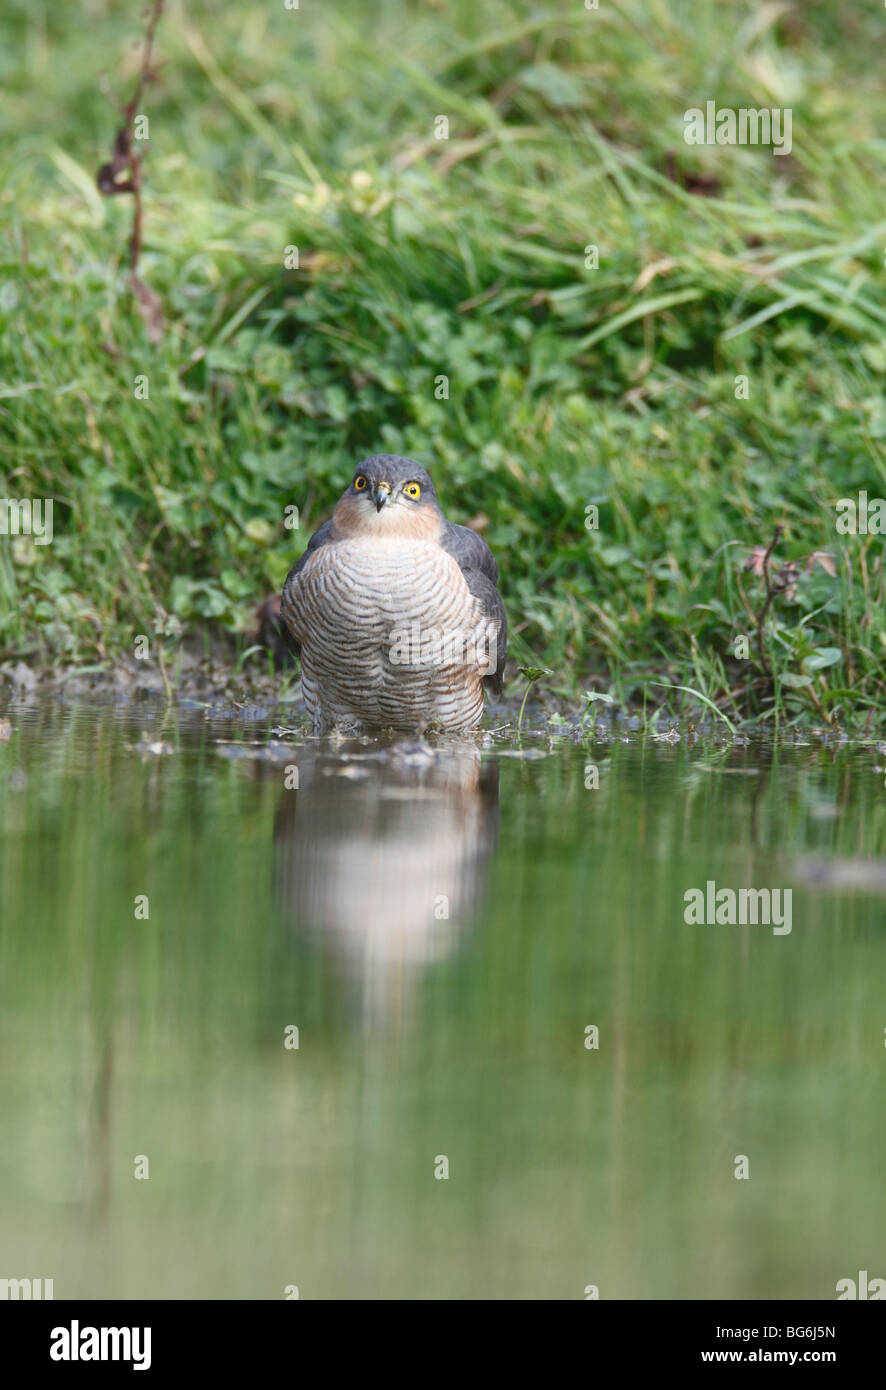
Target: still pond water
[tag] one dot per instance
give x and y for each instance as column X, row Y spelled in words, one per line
column 445, row 928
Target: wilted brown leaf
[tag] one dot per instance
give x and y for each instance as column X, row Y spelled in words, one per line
column 756, row 559
column 824, row 560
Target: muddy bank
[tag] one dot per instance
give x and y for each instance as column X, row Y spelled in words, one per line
column 216, row 678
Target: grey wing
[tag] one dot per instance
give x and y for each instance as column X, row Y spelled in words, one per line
column 477, row 564
column 470, row 550
column 320, row 537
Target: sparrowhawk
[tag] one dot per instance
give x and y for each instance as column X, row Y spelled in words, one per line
column 394, row 610
column 382, row 859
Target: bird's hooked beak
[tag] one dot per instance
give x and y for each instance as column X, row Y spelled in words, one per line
column 381, row 495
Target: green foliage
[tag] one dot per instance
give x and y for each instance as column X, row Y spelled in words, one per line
column 569, row 387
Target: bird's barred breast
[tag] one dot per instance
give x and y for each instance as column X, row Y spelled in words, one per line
column 390, row 635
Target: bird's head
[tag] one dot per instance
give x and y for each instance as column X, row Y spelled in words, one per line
column 390, row 497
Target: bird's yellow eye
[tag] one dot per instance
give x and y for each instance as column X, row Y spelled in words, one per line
column 413, row 490
column 360, row 483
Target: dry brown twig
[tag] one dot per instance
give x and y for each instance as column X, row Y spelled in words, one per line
column 781, row 580
column 123, row 174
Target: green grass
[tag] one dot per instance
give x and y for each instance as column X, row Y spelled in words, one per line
column 568, row 386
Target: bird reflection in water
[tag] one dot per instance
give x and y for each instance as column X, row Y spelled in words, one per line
column 381, row 859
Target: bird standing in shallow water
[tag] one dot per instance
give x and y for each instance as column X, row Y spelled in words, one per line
column 395, row 610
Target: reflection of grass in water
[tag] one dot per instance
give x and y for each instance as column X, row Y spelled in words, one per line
column 569, row 387
column 315, row 1167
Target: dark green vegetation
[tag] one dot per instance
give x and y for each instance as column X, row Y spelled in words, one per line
column 164, row 1036
column 569, row 387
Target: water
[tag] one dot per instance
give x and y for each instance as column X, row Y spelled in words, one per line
column 441, row 927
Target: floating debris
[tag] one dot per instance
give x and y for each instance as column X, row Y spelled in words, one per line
column 861, row 875
column 273, row 752
column 151, row 747
column 731, row 771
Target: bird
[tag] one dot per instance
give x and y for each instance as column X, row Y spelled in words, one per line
column 394, row 611
column 381, row 860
